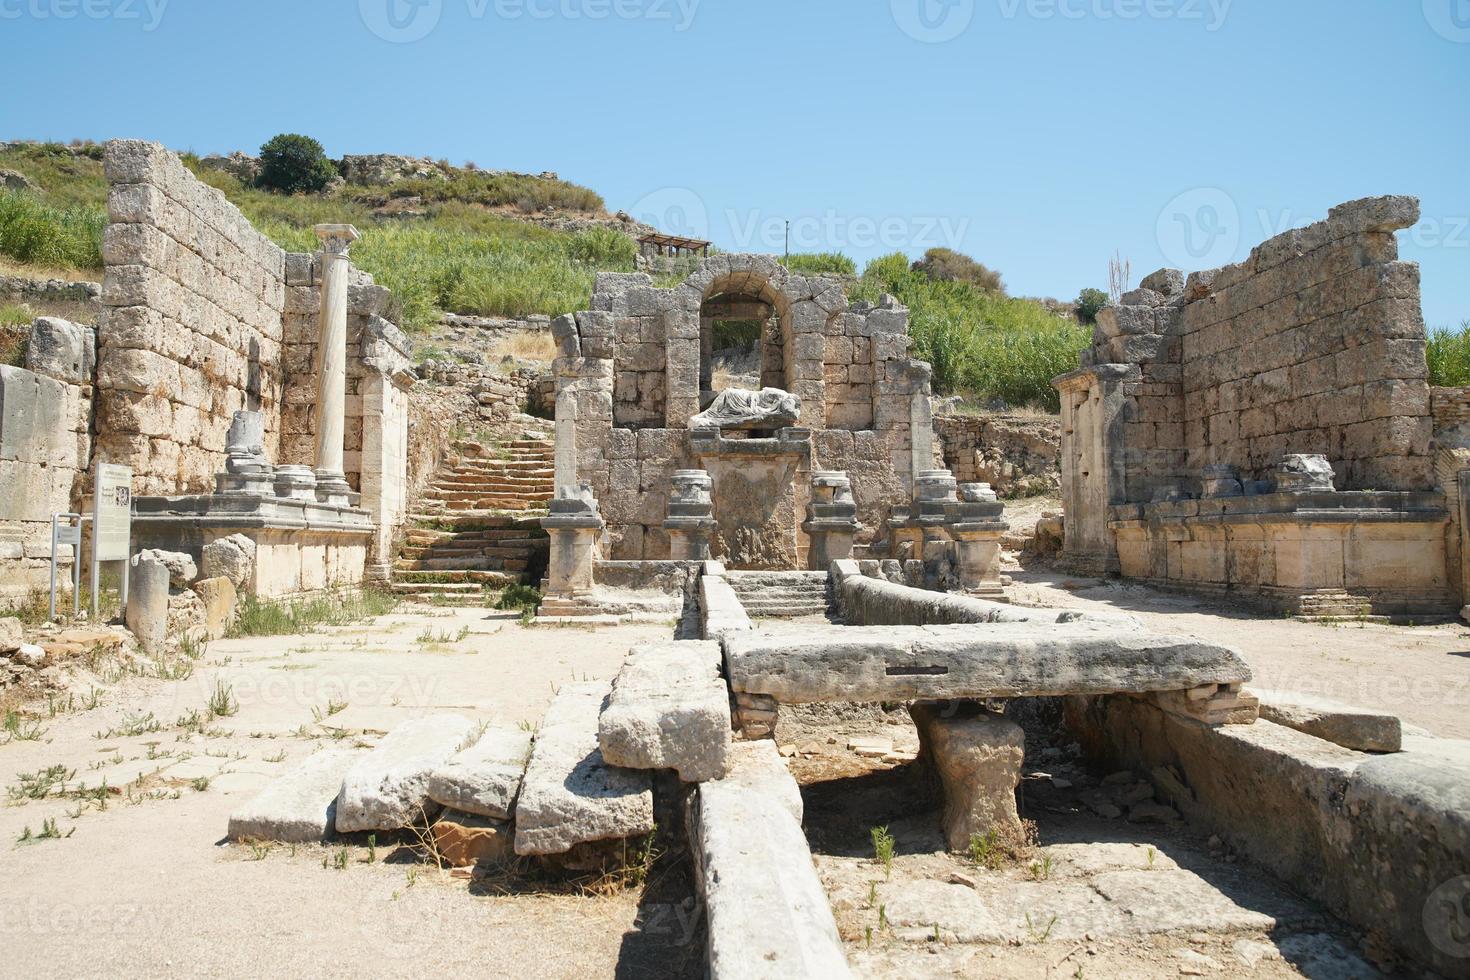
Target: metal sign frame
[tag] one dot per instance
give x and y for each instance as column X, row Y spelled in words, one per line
column 112, row 526
column 67, row 535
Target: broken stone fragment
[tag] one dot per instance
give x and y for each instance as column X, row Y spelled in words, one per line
column 465, row 839
column 1352, row 728
column 11, row 634
column 387, row 789
column 232, row 558
column 299, row 807
column 181, row 570
column 484, row 778
column 977, row 757
column 571, row 795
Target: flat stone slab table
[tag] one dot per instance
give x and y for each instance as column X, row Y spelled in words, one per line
column 970, row 661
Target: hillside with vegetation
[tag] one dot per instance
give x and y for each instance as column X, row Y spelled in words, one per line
column 463, row 240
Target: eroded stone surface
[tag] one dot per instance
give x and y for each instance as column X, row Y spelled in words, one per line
column 669, row 709
column 1350, row 727
column 570, row 794
column 977, row 757
column 388, row 788
column 485, row 778
column 900, row 663
column 299, row 807
column 464, row 839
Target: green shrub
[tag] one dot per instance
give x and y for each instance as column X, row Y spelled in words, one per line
column 39, row 234
column 821, row 263
column 518, row 598
column 947, row 265
column 491, row 190
column 980, row 343
column 1089, row 303
column 294, row 164
column 1449, row 356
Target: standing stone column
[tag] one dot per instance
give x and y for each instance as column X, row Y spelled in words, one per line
column 331, row 397
column 574, row 526
column 832, row 525
column 691, row 518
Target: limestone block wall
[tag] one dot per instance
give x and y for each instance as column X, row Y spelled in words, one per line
column 45, row 442
column 190, row 333
column 628, row 381
column 1019, row 455
column 1315, row 344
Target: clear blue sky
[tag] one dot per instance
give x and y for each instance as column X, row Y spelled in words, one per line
column 1037, row 135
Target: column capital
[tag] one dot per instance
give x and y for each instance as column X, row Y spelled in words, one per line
column 336, row 239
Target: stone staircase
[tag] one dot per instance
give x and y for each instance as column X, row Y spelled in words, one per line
column 478, row 526
column 781, row 595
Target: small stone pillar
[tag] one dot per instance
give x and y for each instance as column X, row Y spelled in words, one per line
column 295, row 483
column 691, row 518
column 147, row 610
column 831, row 522
column 247, row 471
column 977, row 533
column 574, row 525
column 331, row 396
column 976, row 756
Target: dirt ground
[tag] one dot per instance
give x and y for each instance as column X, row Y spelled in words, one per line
column 112, row 825
column 141, row 882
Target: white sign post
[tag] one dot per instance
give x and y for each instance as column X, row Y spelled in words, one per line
column 112, row 525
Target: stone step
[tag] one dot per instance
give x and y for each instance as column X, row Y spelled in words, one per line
column 468, row 523
column 474, row 517
column 465, row 589
column 466, row 578
column 388, row 788
column 784, row 611
column 571, row 795
column 669, row 709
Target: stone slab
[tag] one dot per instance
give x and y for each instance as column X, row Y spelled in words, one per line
column 757, row 769
column 484, row 778
column 299, row 807
column 669, row 709
column 571, row 795
column 999, row 660
column 388, row 788
column 1345, row 725
column 766, row 910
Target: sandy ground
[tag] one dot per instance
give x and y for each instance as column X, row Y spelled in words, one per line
column 1420, row 673
column 147, row 886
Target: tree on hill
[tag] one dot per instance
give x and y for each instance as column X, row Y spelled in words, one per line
column 294, row 164
column 947, row 265
column 1089, row 303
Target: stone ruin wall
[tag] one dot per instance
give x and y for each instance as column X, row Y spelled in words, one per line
column 629, row 381
column 191, row 329
column 1314, row 344
column 1018, row 455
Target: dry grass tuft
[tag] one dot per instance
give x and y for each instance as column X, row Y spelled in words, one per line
column 525, row 345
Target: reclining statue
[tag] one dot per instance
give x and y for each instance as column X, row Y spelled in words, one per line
column 735, row 408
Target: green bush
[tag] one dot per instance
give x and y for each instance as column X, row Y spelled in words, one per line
column 491, row 190
column 36, row 233
column 1449, row 356
column 947, row 265
column 980, row 343
column 294, row 164
column 821, row 263
column 1089, row 303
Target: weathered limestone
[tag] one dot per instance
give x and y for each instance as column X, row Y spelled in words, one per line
column 231, row 557
column 953, row 531
column 691, row 519
column 1341, row 724
column 331, row 403
column 181, row 568
column 484, row 778
column 574, row 526
column 1303, row 474
column 147, row 610
column 720, row 609
column 831, row 520
column 1372, row 837
column 571, row 795
column 766, row 909
column 218, row 597
column 669, row 709
column 977, row 757
column 299, row 807
column 1027, row 659
column 868, row 601
column 757, row 769
column 387, row 789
